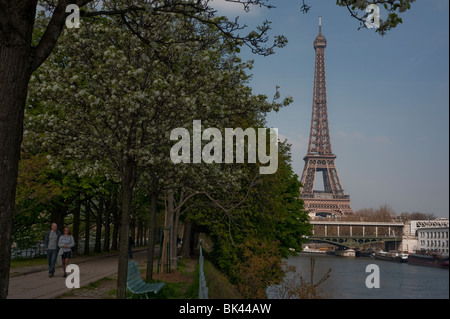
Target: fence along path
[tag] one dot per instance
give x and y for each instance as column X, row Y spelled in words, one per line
column 202, row 287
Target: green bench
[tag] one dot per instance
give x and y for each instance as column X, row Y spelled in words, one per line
column 136, row 285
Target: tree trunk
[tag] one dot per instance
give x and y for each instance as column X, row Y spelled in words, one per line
column 76, row 225
column 186, row 246
column 168, row 230
column 57, row 215
column 110, row 218
column 174, row 243
column 132, row 229
column 140, row 231
column 16, row 22
column 195, row 236
column 107, row 227
column 98, row 226
column 145, row 236
column 13, row 90
column 151, row 237
column 116, row 219
column 127, row 197
column 87, row 226
column 115, row 235
column 18, row 60
column 137, row 241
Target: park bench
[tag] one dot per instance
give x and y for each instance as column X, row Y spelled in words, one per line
column 136, row 285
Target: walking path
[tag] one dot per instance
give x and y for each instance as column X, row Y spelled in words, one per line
column 34, row 283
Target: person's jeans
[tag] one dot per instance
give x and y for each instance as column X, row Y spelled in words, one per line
column 52, row 254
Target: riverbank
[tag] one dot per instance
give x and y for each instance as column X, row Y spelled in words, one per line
column 179, row 284
column 98, row 273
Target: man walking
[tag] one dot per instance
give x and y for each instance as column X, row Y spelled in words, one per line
column 51, row 245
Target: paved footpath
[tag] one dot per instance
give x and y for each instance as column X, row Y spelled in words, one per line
column 34, row 283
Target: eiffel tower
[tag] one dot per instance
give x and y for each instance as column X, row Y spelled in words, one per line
column 331, row 201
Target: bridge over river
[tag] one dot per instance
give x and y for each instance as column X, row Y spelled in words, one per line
column 352, row 234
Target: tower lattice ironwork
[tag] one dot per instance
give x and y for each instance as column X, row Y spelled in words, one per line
column 320, row 158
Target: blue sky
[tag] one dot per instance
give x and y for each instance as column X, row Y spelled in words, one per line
column 388, row 98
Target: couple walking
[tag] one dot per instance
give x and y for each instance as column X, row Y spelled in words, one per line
column 58, row 246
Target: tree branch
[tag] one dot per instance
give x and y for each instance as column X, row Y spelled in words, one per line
column 53, row 31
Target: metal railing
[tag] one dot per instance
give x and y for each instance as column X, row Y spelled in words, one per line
column 202, row 288
column 34, row 251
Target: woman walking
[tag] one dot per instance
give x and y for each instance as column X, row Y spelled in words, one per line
column 66, row 242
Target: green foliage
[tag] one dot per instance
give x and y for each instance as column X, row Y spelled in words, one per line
column 106, row 98
column 42, row 189
column 35, row 190
column 219, row 287
column 192, row 289
column 252, row 239
column 27, row 262
column 259, row 266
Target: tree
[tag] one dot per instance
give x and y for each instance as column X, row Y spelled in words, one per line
column 384, row 213
column 109, row 129
column 405, row 216
column 36, row 188
column 272, row 216
column 124, row 95
column 20, row 57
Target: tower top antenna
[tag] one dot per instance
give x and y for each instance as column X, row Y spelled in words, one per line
column 320, row 24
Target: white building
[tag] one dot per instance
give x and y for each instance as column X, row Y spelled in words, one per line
column 414, row 225
column 433, row 238
column 410, row 240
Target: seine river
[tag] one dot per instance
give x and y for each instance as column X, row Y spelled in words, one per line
column 397, row 280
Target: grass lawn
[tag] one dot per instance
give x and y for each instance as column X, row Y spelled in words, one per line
column 27, row 262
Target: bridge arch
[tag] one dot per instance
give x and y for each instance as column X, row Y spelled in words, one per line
column 353, row 234
column 353, row 242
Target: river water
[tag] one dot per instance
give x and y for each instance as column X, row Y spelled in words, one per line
column 397, row 280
